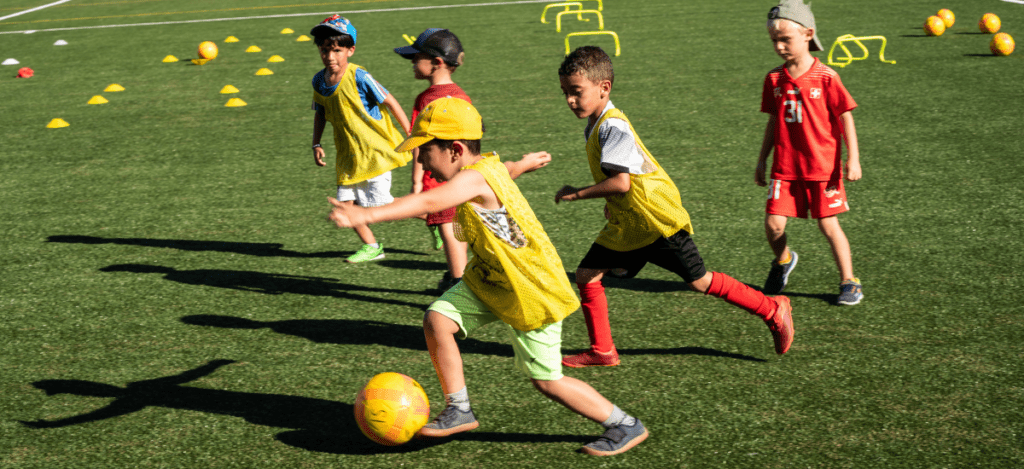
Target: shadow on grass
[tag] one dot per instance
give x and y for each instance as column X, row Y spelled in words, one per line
column 271, row 284
column 320, row 425
column 249, row 249
column 344, row 331
column 706, row 352
column 981, row 55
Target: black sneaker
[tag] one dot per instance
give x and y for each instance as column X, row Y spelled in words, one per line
column 779, row 275
column 449, row 422
column 850, row 292
column 617, row 440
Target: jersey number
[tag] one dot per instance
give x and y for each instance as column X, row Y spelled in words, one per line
column 794, row 108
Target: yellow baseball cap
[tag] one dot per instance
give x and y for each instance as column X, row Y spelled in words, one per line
column 445, row 119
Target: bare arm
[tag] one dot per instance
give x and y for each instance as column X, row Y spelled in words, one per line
column 398, row 113
column 853, row 172
column 319, row 122
column 617, row 184
column 528, row 163
column 417, row 172
column 465, row 186
column 766, row 149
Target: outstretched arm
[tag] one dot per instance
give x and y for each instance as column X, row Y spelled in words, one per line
column 528, row 163
column 465, row 186
column 853, row 151
column 617, row 184
column 766, row 148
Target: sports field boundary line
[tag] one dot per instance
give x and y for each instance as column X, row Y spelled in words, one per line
column 30, row 10
column 288, row 15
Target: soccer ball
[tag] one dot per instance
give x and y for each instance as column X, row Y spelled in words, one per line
column 934, row 26
column 1001, row 44
column 947, row 17
column 207, row 50
column 989, row 23
column 391, row 408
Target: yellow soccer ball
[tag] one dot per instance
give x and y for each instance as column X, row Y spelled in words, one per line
column 947, row 17
column 934, row 26
column 391, row 408
column 1001, row 44
column 989, row 23
column 207, row 50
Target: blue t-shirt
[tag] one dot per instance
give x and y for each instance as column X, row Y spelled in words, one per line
column 370, row 92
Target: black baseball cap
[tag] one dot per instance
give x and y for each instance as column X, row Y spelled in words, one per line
column 436, row 42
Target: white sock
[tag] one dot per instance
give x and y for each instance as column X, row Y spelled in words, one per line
column 459, row 399
column 618, row 417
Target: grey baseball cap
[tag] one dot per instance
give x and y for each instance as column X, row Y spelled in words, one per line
column 798, row 12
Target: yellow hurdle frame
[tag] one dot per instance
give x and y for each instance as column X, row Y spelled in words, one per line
column 544, row 14
column 618, row 50
column 844, row 61
column 579, row 14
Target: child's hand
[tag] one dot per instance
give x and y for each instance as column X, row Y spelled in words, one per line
column 318, row 156
column 853, row 170
column 566, row 193
column 536, row 160
column 346, row 215
column 759, row 174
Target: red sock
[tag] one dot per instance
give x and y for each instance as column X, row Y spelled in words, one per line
column 739, row 294
column 595, row 310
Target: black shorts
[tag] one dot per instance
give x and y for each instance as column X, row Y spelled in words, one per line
column 677, row 254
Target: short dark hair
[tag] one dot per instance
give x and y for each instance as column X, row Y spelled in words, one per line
column 590, row 61
column 341, row 40
column 472, row 145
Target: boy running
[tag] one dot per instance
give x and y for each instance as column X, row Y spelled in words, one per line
column 646, row 219
column 809, row 113
column 345, row 95
column 515, row 276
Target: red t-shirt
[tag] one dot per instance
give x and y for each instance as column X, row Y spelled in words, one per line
column 809, row 131
column 450, row 90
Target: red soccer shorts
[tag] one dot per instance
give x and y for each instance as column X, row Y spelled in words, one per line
column 795, row 198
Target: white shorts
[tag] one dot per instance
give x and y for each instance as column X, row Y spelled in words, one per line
column 372, row 192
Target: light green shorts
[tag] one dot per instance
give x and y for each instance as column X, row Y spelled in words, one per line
column 538, row 352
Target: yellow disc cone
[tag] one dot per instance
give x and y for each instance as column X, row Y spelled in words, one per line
column 200, row 61
column 235, row 102
column 57, row 123
column 275, row 58
column 98, row 100
column 253, row 49
column 287, row 31
column 231, row 39
column 169, row 59
column 264, row 71
column 303, row 38
column 228, row 89
column 113, row 87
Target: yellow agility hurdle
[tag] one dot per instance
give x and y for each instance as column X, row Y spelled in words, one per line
column 579, row 13
column 844, row 61
column 544, row 14
column 409, row 39
column 618, row 50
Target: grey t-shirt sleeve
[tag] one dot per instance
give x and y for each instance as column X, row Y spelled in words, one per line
column 619, row 150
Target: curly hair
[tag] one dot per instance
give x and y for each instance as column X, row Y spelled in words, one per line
column 590, row 61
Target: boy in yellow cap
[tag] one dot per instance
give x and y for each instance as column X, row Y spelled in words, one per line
column 515, row 275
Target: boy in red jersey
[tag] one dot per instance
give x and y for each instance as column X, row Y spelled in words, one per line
column 646, row 218
column 809, row 113
column 435, row 56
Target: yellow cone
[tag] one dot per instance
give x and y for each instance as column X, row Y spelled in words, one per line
column 169, row 59
column 231, row 39
column 113, row 87
column 264, row 71
column 253, row 49
column 57, row 123
column 228, row 89
column 275, row 58
column 303, row 38
column 200, row 61
column 235, row 102
column 287, row 31
column 98, row 100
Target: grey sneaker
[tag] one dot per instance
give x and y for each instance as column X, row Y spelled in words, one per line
column 779, row 275
column 449, row 422
column 617, row 440
column 850, row 292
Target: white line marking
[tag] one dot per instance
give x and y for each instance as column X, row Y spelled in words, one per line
column 30, row 10
column 1015, row 1
column 380, row 10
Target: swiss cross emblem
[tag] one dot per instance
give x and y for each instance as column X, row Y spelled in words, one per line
column 777, row 92
column 815, row 93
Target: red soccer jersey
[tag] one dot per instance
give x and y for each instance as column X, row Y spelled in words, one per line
column 450, row 90
column 808, row 132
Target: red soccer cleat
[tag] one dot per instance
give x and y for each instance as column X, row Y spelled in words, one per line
column 592, row 358
column 781, row 324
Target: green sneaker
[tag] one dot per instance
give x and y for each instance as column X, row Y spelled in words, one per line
column 438, row 241
column 366, row 253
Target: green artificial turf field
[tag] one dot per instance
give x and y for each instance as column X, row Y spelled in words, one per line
column 171, row 294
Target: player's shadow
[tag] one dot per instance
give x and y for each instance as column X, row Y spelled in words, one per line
column 701, row 351
column 980, row 55
column 249, row 249
column 272, row 284
column 318, row 424
column 830, row 298
column 409, row 264
column 345, row 331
